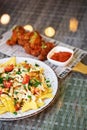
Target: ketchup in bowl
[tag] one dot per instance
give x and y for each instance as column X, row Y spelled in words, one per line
column 61, row 56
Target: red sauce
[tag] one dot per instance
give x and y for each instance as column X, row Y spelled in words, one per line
column 61, row 56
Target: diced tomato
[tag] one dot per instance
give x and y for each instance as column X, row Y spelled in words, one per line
column 17, row 106
column 27, row 66
column 35, row 90
column 9, row 68
column 0, row 92
column 26, row 79
column 7, row 84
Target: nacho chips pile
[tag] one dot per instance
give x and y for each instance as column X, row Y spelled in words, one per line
column 23, row 86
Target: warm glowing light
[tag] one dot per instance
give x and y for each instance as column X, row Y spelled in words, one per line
column 5, row 19
column 28, row 28
column 73, row 26
column 49, row 31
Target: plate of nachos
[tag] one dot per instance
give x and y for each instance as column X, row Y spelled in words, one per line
column 27, row 87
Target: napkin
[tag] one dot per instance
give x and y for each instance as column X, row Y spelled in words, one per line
column 80, row 67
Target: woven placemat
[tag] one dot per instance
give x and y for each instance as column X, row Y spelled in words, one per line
column 69, row 111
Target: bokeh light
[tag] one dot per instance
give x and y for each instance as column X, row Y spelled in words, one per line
column 28, row 28
column 73, row 25
column 49, row 31
column 5, row 19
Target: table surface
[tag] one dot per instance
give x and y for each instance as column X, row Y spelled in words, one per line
column 69, row 110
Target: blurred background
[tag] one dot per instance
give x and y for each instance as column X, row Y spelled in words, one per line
column 67, row 17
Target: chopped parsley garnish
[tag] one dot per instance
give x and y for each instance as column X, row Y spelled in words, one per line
column 24, row 86
column 48, row 83
column 24, row 83
column 15, row 92
column 29, row 87
column 28, row 69
column 25, row 61
column 24, row 70
column 34, row 82
column 36, row 65
column 7, row 77
column 15, row 101
column 43, row 46
column 1, row 80
column 15, row 113
column 18, row 72
column 29, row 96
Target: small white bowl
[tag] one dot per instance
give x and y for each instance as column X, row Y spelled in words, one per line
column 60, row 49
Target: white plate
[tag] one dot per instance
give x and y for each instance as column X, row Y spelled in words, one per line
column 49, row 73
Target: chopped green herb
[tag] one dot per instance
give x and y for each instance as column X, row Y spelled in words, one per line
column 15, row 101
column 6, row 72
column 29, row 87
column 23, row 70
column 34, row 82
column 28, row 69
column 24, row 86
column 15, row 113
column 49, row 85
column 29, row 96
column 18, row 72
column 25, row 61
column 47, row 81
column 43, row 46
column 15, row 92
column 7, row 77
column 36, row 65
column 1, row 80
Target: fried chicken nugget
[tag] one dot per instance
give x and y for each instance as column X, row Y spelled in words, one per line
column 35, row 51
column 35, row 39
column 45, row 49
column 24, row 39
column 17, row 33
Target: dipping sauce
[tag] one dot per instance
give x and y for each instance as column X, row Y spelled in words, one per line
column 61, row 56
